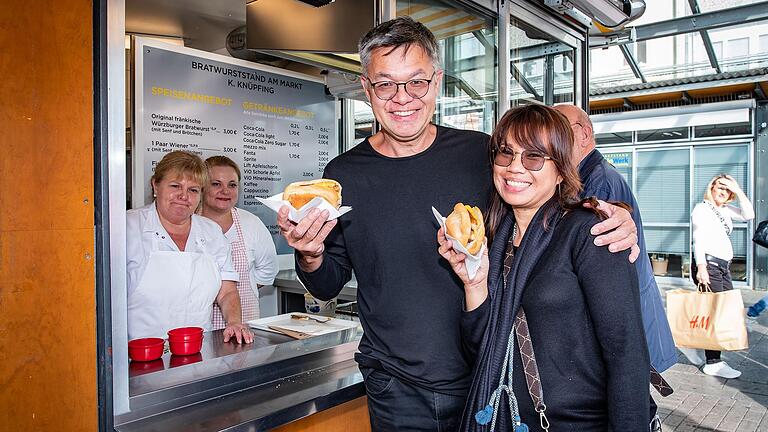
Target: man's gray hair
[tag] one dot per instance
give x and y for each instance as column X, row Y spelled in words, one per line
column 396, row 33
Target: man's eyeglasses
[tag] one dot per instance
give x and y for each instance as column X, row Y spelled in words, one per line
column 531, row 160
column 415, row 88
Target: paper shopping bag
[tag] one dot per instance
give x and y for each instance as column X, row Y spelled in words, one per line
column 707, row 320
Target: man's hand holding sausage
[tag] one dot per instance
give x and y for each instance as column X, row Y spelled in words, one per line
column 307, row 236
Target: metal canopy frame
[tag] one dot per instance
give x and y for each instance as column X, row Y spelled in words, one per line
column 632, row 62
column 698, row 21
column 739, row 15
column 696, row 10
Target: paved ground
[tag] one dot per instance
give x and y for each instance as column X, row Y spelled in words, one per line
column 704, row 403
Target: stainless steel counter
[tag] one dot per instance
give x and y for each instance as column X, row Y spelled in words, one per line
column 273, row 381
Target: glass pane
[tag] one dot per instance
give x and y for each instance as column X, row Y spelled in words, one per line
column 663, row 134
column 608, row 69
column 713, row 160
column 363, row 121
column 666, row 240
column 622, row 161
column 614, row 138
column 739, row 241
column 715, row 5
column 676, row 57
column 662, row 10
column 741, row 47
column 468, row 48
column 541, row 67
column 663, row 185
column 722, row 129
column 732, row 160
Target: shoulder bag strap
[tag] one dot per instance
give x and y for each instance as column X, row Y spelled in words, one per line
column 530, row 367
column 719, row 216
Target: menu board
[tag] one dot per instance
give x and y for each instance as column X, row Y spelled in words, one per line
column 278, row 126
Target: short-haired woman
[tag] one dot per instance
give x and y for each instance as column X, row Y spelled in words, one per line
column 179, row 263
column 712, row 223
column 253, row 252
column 553, row 295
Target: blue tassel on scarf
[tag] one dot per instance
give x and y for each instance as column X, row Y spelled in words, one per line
column 485, row 415
column 521, row 427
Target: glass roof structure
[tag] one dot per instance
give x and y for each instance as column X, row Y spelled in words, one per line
column 682, row 41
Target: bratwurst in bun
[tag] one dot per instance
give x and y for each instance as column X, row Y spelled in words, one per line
column 465, row 224
column 300, row 193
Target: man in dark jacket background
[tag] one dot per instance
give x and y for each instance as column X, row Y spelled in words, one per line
column 602, row 180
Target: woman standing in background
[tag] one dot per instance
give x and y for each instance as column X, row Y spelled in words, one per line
column 712, row 221
column 253, row 252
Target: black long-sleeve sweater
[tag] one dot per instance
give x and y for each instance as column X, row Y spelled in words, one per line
column 410, row 302
column 583, row 309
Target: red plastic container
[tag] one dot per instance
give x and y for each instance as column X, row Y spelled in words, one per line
column 186, row 347
column 185, row 333
column 146, row 349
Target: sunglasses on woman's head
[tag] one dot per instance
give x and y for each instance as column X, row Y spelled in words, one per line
column 532, row 160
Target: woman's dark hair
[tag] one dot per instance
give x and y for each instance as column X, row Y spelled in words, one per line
column 545, row 130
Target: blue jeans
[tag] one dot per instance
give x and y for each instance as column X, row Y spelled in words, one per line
column 397, row 405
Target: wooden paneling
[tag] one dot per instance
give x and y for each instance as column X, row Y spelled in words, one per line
column 47, row 282
column 656, row 98
column 717, row 91
column 604, row 104
column 349, row 417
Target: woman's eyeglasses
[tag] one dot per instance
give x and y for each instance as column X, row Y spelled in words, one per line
column 415, row 88
column 531, row 160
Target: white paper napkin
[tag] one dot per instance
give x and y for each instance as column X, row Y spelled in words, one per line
column 296, row 215
column 472, row 262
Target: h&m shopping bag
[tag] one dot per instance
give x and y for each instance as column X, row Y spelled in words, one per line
column 707, row 320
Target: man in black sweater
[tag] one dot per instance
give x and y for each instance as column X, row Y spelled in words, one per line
column 421, row 327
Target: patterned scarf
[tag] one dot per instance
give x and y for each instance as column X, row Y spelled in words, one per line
column 505, row 302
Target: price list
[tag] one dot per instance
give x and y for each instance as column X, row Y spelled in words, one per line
column 278, row 128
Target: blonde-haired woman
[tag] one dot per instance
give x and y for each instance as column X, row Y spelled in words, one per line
column 712, row 221
column 253, row 252
column 179, row 263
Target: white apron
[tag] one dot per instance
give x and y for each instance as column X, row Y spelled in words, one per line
column 177, row 290
column 249, row 302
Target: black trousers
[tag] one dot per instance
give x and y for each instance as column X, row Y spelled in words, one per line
column 397, row 405
column 719, row 280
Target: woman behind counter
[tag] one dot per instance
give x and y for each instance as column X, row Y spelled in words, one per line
column 712, row 222
column 253, row 252
column 581, row 302
column 179, row 263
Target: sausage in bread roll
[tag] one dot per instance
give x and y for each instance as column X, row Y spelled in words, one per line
column 300, row 193
column 465, row 224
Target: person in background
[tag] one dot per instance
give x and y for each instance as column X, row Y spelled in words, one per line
column 553, row 295
column 419, row 341
column 600, row 179
column 179, row 263
column 712, row 222
column 756, row 309
column 253, row 252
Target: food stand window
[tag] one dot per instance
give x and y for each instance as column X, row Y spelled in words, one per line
column 467, row 39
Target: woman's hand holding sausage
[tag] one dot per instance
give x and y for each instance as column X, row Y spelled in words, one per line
column 475, row 289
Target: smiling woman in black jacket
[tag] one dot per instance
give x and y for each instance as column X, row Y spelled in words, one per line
column 554, row 296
